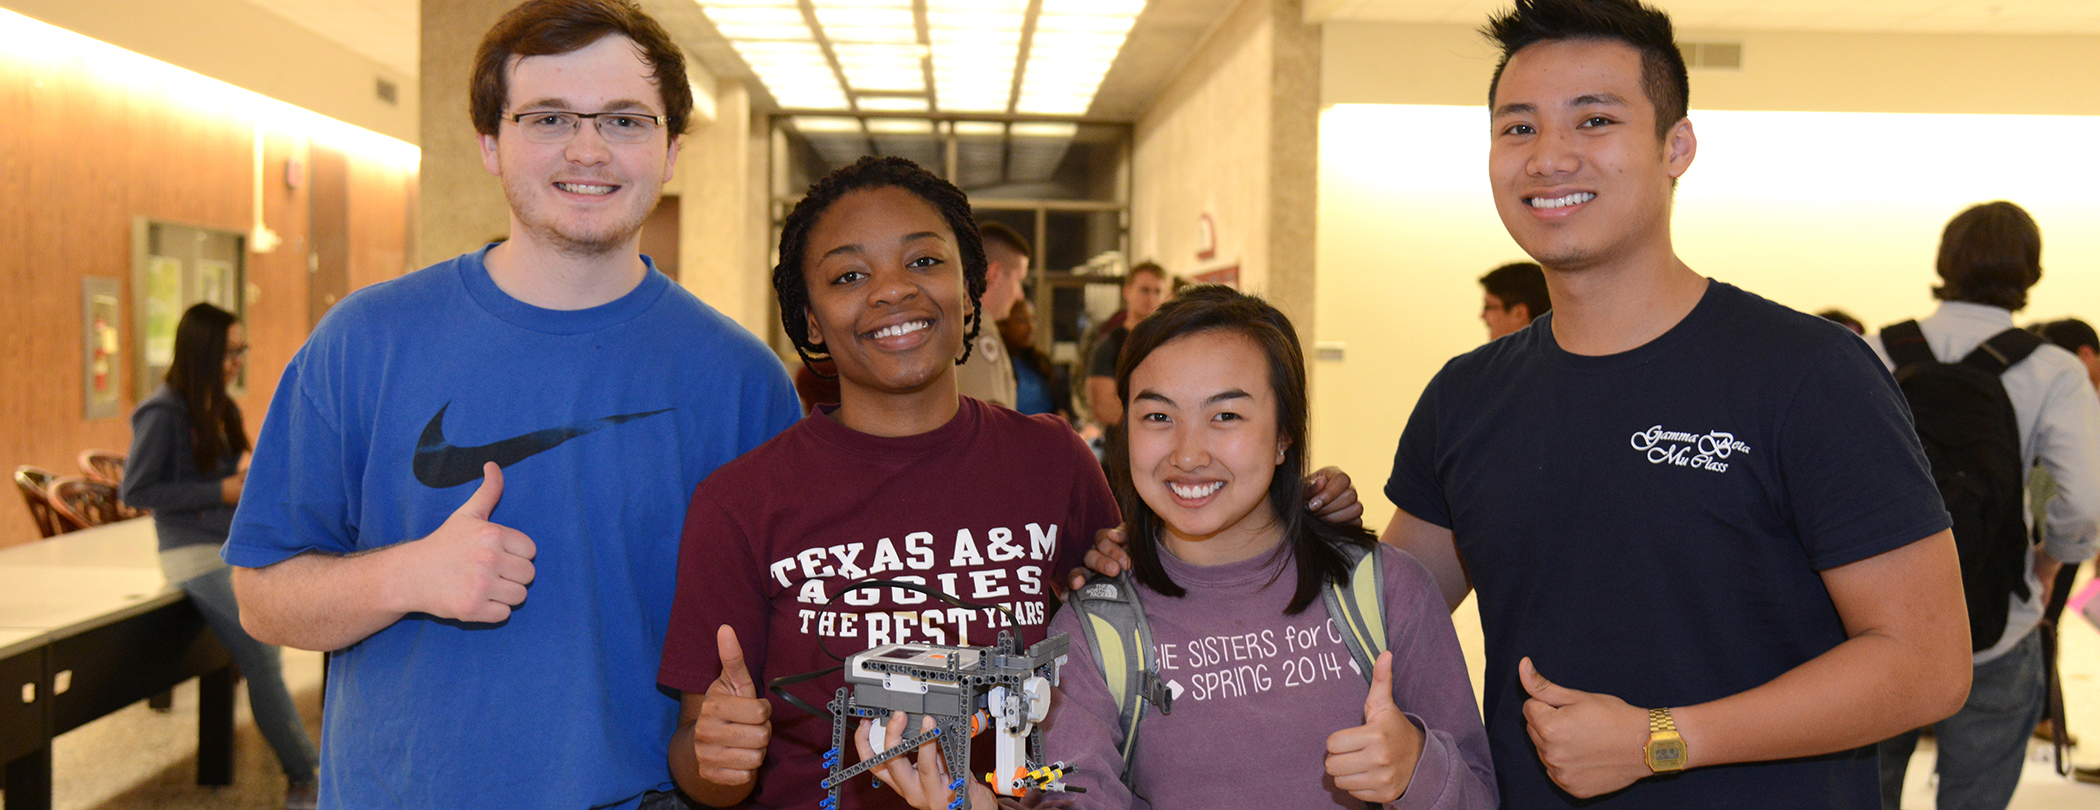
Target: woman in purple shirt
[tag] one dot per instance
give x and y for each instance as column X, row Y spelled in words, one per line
column 1270, row 710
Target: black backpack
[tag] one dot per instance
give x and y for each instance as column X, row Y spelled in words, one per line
column 1972, row 438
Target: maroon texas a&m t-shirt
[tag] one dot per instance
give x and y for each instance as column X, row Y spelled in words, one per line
column 993, row 507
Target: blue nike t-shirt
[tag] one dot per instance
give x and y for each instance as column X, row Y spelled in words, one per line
column 605, row 420
column 1652, row 524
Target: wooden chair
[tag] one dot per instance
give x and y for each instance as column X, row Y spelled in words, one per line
column 81, row 503
column 34, row 483
column 102, row 466
column 107, row 468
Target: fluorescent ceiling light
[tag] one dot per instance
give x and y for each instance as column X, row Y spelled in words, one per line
column 897, row 35
column 980, row 128
column 1058, row 43
column 900, row 126
column 808, row 124
column 1045, row 129
column 869, row 54
column 892, row 103
column 754, row 16
column 974, row 46
column 778, row 47
column 889, row 79
column 1123, row 8
column 951, row 6
column 865, row 17
column 746, row 32
column 975, row 20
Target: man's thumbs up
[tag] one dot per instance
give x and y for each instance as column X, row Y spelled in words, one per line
column 1590, row 743
column 735, row 723
column 483, row 501
column 1375, row 761
column 470, row 569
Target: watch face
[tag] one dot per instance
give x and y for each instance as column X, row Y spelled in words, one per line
column 1666, row 755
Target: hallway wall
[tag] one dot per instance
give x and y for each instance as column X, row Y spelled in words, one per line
column 97, row 138
column 1234, row 138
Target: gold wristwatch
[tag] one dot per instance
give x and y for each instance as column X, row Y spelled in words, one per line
column 1665, row 748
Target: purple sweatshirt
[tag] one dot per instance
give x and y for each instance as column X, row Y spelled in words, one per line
column 1256, row 694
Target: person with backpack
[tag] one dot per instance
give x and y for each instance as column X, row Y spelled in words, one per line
column 1254, row 657
column 1990, row 402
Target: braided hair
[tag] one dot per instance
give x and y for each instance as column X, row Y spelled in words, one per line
column 792, row 288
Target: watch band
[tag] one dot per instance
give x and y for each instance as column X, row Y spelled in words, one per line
column 1665, row 751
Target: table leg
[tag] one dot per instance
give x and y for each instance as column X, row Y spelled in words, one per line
column 29, row 781
column 215, row 727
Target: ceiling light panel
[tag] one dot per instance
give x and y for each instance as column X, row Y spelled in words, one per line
column 972, row 50
column 976, row 46
column 880, row 21
column 1074, row 44
column 891, row 103
column 891, row 68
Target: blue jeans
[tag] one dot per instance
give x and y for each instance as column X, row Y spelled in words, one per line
column 267, row 697
column 1982, row 747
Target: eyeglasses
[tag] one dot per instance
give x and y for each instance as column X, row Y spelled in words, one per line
column 558, row 126
column 236, row 352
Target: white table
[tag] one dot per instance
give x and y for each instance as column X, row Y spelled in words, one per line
column 88, row 626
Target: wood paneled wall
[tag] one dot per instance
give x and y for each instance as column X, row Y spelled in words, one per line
column 83, row 152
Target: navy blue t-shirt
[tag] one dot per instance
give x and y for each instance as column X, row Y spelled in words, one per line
column 1651, row 524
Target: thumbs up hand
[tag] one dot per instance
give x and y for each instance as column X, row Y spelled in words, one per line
column 469, row 569
column 1591, row 744
column 735, row 723
column 1375, row 761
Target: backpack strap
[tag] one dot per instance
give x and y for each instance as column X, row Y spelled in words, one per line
column 1906, row 345
column 1121, row 641
column 1357, row 605
column 2003, row 351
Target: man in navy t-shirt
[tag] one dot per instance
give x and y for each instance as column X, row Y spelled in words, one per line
column 1711, row 562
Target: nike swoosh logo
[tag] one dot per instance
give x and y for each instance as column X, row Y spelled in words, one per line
column 439, row 464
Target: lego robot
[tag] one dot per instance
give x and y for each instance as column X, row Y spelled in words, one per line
column 964, row 689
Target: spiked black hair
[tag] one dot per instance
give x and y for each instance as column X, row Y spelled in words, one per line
column 1644, row 28
column 792, row 288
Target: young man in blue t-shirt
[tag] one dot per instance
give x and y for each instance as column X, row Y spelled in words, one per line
column 472, row 478
column 1712, row 567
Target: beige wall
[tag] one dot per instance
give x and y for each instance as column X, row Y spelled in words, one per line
column 1811, row 209
column 723, row 229
column 140, row 139
column 1233, row 137
column 243, row 45
column 462, row 206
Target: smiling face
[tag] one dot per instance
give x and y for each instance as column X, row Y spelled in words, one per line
column 585, row 196
column 886, row 294
column 1579, row 178
column 1204, row 444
